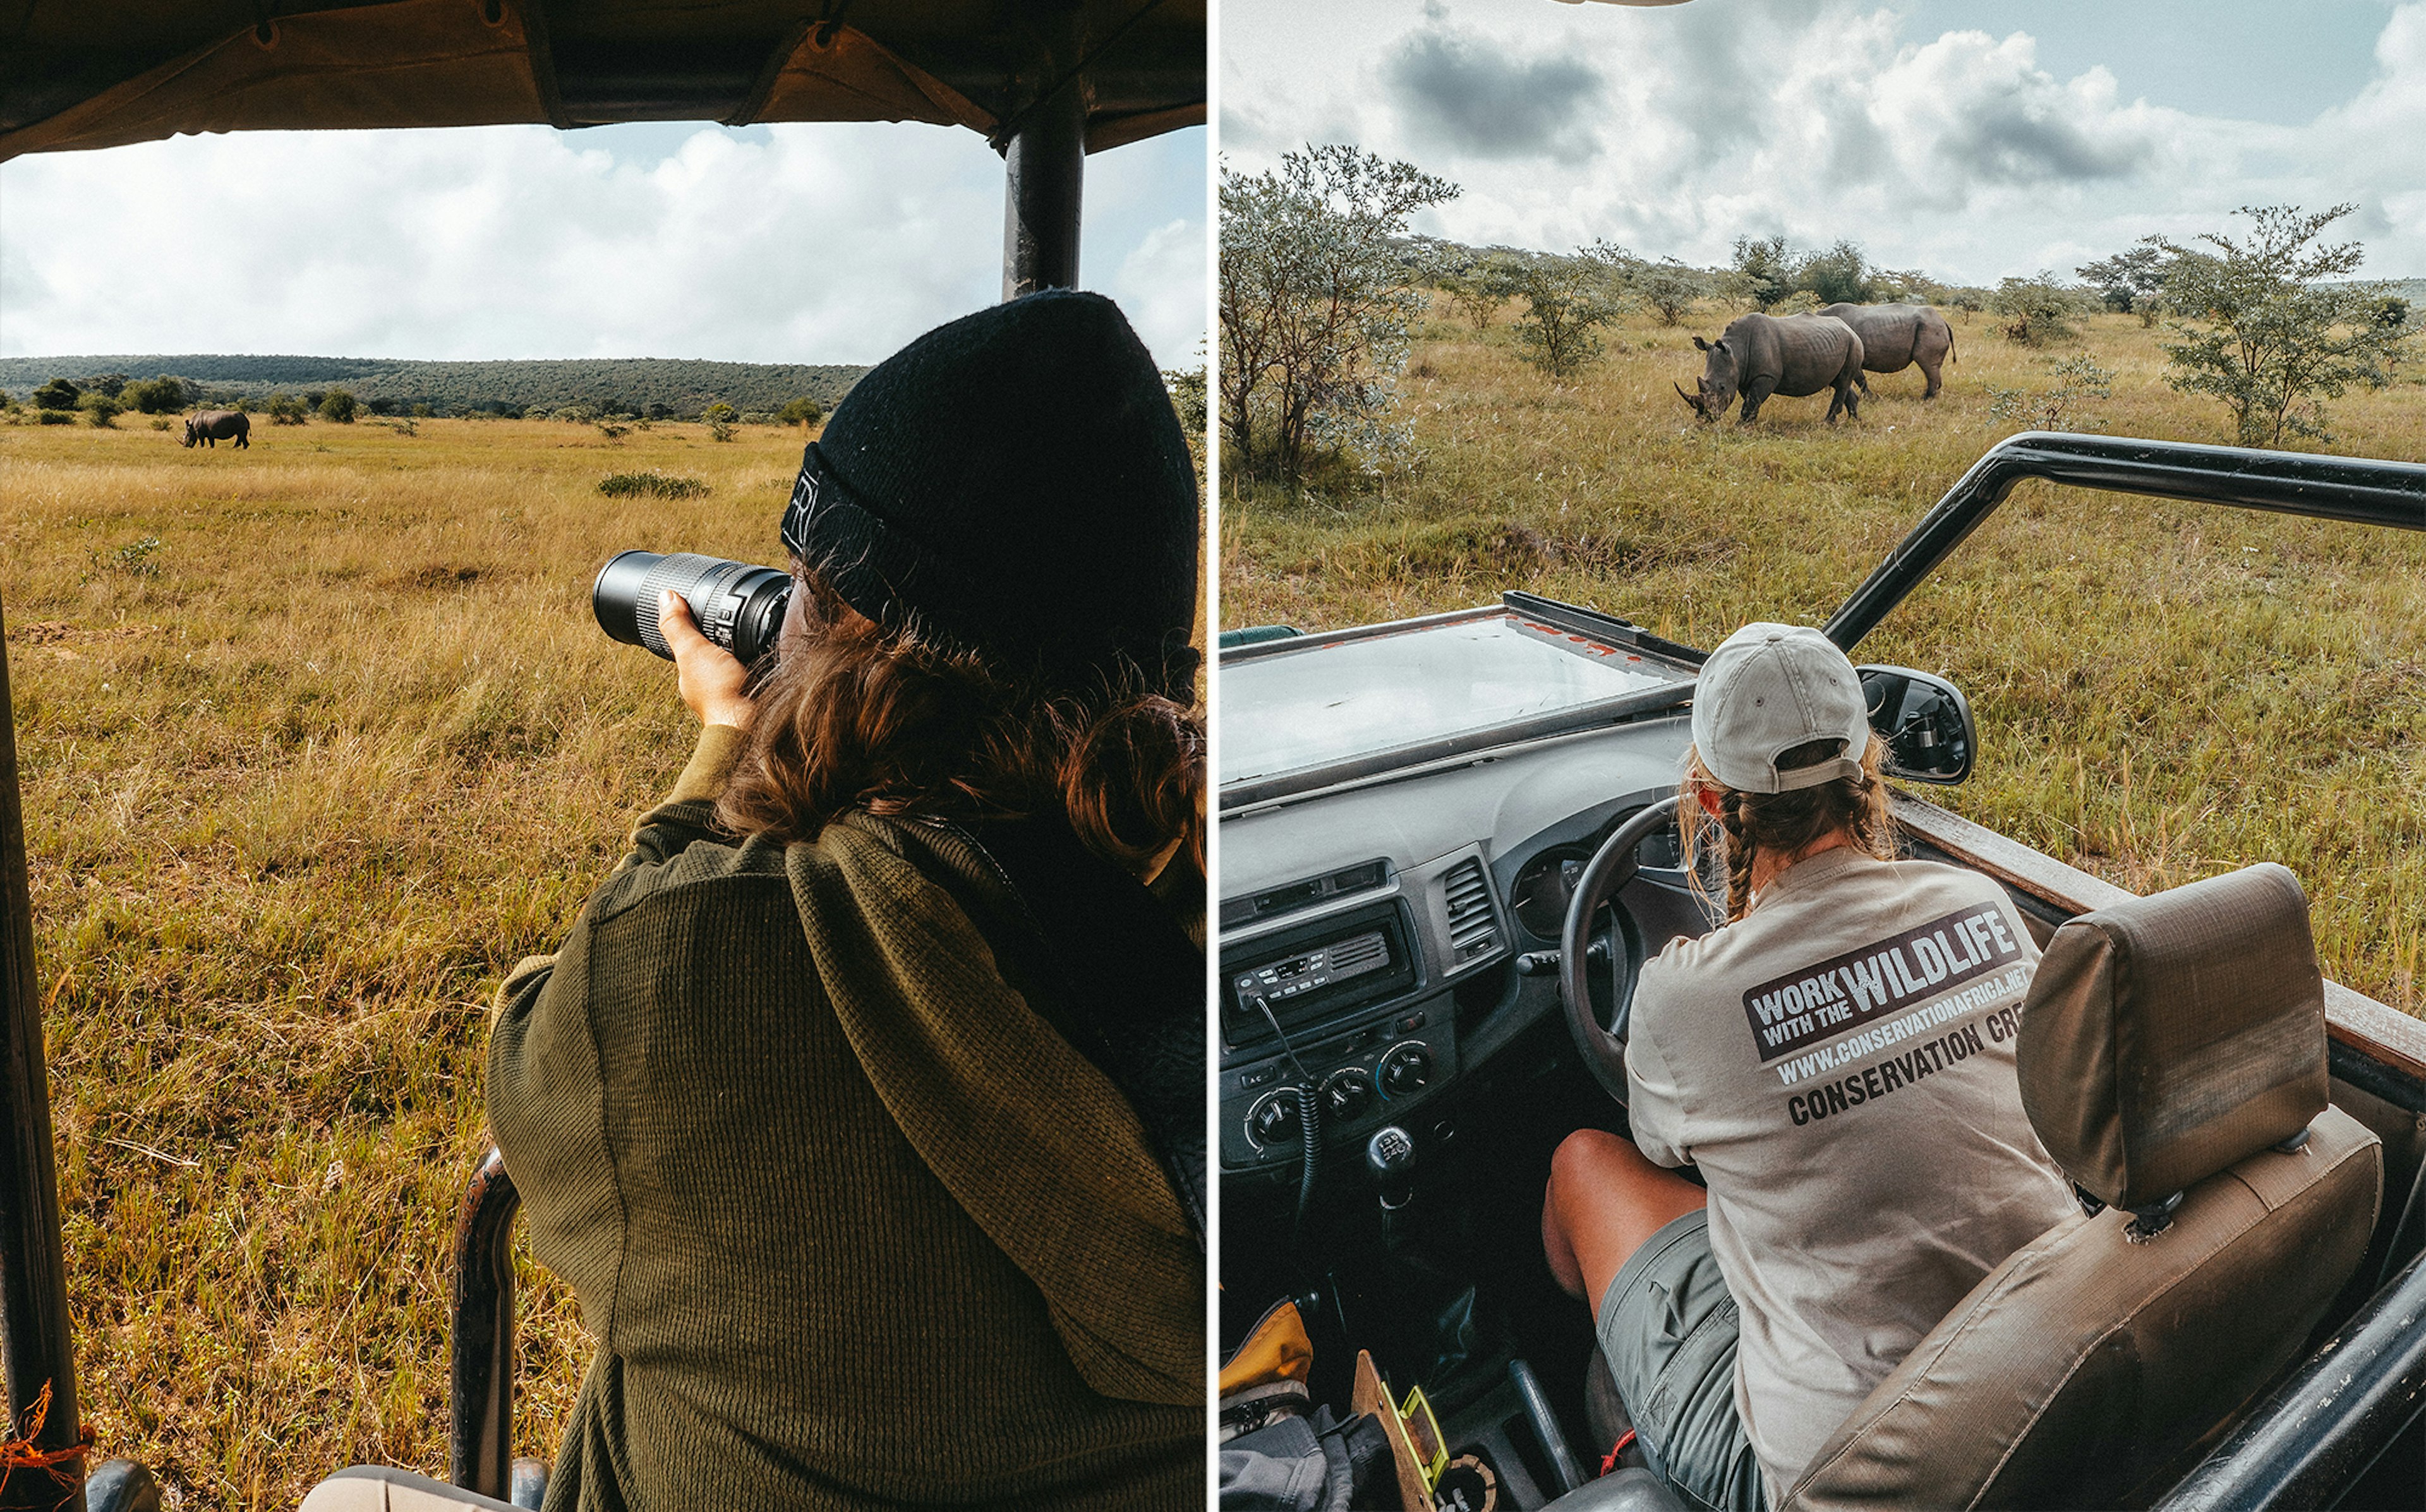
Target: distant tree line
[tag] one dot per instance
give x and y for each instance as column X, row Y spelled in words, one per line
column 644, row 389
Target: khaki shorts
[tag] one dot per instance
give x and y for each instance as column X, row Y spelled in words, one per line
column 1668, row 1329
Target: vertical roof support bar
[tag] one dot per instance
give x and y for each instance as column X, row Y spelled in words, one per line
column 1045, row 165
column 33, row 1280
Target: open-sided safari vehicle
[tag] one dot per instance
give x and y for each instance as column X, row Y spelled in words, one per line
column 1047, row 83
column 1446, row 846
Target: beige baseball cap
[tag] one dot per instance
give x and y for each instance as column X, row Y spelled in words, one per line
column 1768, row 688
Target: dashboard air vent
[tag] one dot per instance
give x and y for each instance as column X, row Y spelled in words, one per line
column 1471, row 928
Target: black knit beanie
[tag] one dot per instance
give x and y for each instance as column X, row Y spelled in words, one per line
column 1017, row 481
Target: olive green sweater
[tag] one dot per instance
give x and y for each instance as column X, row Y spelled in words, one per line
column 852, row 1227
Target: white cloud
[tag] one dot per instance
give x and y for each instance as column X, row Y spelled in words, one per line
column 1958, row 153
column 1161, row 285
column 797, row 243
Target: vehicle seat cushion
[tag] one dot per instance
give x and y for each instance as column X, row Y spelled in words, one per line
column 2087, row 1367
column 2168, row 1037
column 382, row 1488
column 1626, row 1490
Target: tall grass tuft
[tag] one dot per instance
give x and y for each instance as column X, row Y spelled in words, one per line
column 654, row 483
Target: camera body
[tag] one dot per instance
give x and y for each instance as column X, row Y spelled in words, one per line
column 737, row 605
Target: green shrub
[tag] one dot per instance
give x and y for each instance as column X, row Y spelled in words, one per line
column 653, row 483
column 2077, row 379
column 284, row 408
column 1186, row 386
column 339, row 407
column 1566, row 301
column 1763, row 270
column 1840, row 275
column 2039, row 310
column 59, row 393
column 1669, row 288
column 162, row 396
column 134, row 559
column 57, row 417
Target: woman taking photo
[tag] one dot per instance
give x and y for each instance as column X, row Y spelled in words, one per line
column 864, row 1105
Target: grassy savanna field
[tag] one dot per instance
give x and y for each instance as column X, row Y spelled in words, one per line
column 2165, row 691
column 301, row 781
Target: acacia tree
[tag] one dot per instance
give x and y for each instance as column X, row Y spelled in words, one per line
column 1318, row 290
column 2269, row 324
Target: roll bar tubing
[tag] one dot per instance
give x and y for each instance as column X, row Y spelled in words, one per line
column 2354, row 489
column 35, row 1342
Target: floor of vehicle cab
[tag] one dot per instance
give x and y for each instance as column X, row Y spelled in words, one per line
column 1461, row 1288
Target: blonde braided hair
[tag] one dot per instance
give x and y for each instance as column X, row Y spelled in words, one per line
column 1784, row 824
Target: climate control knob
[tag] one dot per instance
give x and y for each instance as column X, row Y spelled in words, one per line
column 1406, row 1070
column 1273, row 1119
column 1347, row 1095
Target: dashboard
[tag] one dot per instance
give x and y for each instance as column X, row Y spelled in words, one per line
column 1391, row 898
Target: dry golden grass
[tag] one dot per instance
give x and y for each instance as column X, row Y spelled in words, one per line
column 2163, row 690
column 301, row 783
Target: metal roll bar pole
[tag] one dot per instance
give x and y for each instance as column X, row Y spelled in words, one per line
column 34, row 1337
column 1044, row 167
column 480, row 1375
column 2356, row 490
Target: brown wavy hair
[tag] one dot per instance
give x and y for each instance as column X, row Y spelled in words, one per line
column 1782, row 823
column 898, row 722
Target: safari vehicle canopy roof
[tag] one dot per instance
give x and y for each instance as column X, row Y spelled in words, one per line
column 74, row 74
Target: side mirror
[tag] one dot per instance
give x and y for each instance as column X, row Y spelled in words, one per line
column 1925, row 721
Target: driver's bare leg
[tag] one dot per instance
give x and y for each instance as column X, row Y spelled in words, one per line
column 1604, row 1202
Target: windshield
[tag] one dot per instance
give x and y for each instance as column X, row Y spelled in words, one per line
column 1295, row 710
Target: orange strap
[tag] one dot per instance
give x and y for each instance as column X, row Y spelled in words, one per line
column 20, row 1454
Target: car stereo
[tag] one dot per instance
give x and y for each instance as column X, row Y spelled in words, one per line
column 1316, row 972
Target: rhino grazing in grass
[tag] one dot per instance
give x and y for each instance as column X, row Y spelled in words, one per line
column 1760, row 355
column 1897, row 336
column 216, row 425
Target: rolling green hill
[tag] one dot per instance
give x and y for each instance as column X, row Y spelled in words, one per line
column 634, row 385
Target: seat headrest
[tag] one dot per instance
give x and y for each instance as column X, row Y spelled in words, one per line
column 2169, row 1036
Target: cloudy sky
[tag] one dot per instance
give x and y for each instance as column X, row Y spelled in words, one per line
column 792, row 244
column 1971, row 139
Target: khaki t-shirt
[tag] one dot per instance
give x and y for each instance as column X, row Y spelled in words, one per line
column 1839, row 1063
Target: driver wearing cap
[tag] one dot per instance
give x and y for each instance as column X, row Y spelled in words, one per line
column 1837, row 1062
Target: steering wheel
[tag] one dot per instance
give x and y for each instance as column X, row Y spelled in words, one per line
column 1611, row 867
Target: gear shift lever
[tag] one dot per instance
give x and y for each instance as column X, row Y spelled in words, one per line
column 1390, row 1160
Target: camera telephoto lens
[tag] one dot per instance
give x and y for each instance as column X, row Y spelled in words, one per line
column 737, row 605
